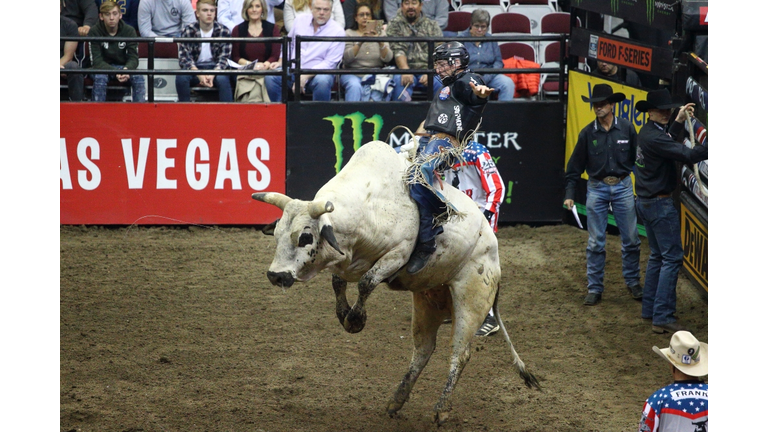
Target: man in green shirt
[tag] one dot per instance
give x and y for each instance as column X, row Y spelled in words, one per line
column 117, row 55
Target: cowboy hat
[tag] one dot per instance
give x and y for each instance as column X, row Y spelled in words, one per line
column 657, row 99
column 603, row 92
column 686, row 353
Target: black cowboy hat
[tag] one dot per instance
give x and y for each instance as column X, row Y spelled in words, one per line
column 657, row 99
column 603, row 92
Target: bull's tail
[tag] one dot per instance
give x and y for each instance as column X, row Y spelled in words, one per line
column 529, row 378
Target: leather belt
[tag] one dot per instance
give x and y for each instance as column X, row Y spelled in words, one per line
column 656, row 196
column 613, row 181
column 442, row 135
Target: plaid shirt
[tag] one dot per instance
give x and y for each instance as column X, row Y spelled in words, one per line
column 189, row 52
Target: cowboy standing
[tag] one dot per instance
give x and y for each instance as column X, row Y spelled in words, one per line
column 606, row 148
column 452, row 118
column 656, row 179
column 682, row 406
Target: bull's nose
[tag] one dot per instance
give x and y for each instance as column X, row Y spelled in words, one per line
column 284, row 279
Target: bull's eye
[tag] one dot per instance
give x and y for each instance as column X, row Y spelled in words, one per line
column 305, row 239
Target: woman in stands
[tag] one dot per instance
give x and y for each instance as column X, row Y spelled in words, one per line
column 256, row 25
column 364, row 55
column 295, row 7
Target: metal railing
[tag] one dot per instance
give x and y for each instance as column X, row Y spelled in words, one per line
column 294, row 66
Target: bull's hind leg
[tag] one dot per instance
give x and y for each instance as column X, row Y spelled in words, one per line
column 430, row 308
column 471, row 303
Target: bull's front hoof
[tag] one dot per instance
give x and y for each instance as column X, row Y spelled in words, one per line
column 354, row 322
column 393, row 407
column 441, row 417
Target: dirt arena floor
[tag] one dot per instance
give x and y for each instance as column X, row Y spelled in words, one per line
column 178, row 329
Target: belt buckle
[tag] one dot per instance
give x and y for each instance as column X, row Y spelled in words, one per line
column 611, row 180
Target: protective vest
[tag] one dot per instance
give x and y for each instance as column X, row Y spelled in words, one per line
column 456, row 110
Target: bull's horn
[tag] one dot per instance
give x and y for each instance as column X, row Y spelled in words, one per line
column 276, row 199
column 318, row 208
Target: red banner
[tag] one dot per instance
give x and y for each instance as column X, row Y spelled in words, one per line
column 172, row 163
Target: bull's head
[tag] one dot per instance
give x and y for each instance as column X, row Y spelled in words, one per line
column 301, row 239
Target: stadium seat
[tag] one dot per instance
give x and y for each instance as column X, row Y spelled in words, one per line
column 166, row 57
column 534, row 10
column 549, row 83
column 510, row 23
column 458, row 21
column 517, row 49
column 494, row 7
column 555, row 23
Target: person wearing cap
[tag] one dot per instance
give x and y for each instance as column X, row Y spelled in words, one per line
column 606, row 148
column 655, row 180
column 682, row 406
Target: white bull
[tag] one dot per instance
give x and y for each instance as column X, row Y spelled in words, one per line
column 362, row 225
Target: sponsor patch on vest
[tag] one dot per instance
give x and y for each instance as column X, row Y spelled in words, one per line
column 444, row 93
column 442, row 118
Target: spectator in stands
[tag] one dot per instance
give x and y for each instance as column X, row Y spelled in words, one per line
column 204, row 56
column 263, row 55
column 363, row 55
column 85, row 14
column 164, row 18
column 436, row 10
column 655, row 180
column 118, row 55
column 130, row 11
column 410, row 22
column 294, row 8
column 682, row 406
column 614, row 73
column 486, row 55
column 314, row 55
column 230, row 12
column 606, row 149
column 67, row 27
column 350, row 8
column 255, row 24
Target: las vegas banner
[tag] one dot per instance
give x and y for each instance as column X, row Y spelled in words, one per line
column 170, row 163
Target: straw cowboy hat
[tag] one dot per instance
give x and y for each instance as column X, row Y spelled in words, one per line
column 686, row 353
column 658, row 99
column 603, row 92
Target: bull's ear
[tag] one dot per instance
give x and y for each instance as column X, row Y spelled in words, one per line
column 270, row 229
column 276, row 199
column 327, row 233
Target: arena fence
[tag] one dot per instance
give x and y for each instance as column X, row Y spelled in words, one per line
column 293, row 67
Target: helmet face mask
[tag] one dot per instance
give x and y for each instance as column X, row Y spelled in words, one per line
column 450, row 58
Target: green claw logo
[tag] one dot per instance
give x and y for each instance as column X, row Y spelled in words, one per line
column 357, row 119
column 650, row 9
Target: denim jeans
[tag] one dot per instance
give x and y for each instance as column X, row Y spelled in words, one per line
column 503, row 85
column 662, row 227
column 436, row 86
column 428, row 202
column 356, row 91
column 75, row 82
column 319, row 85
column 221, row 82
column 138, row 89
column 621, row 198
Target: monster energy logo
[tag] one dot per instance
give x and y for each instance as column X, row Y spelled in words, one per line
column 614, row 6
column 650, row 8
column 357, row 119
